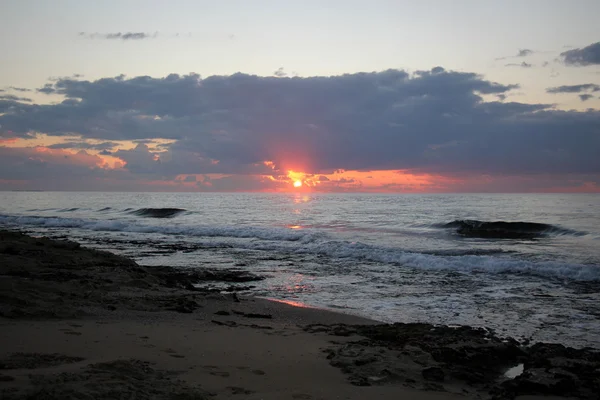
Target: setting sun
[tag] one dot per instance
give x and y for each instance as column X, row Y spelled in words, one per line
column 297, row 184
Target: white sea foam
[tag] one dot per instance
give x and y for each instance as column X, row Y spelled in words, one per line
column 282, row 234
column 318, row 243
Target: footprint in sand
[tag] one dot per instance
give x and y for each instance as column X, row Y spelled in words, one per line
column 239, row 390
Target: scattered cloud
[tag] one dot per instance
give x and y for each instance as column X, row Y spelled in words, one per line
column 585, row 97
column 14, row 98
column 589, row 55
column 520, row 53
column 522, row 65
column 248, row 130
column 586, row 87
column 280, row 73
column 19, row 89
column 119, row 35
column 524, row 52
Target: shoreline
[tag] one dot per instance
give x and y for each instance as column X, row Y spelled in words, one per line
column 70, row 314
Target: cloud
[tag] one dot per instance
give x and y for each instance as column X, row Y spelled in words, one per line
column 427, row 122
column 14, row 98
column 44, row 163
column 524, row 52
column 19, row 89
column 520, row 53
column 585, row 97
column 586, row 87
column 589, row 55
column 119, row 35
column 84, row 145
column 280, row 73
column 522, row 65
column 48, row 88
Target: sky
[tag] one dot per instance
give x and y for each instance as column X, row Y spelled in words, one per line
column 312, row 96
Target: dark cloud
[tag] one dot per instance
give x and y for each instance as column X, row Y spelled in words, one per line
column 54, row 165
column 522, row 65
column 47, row 89
column 14, row 98
column 585, row 97
column 586, row 87
column 432, row 121
column 589, row 55
column 84, row 145
column 119, row 35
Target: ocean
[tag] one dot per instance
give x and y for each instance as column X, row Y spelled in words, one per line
column 443, row 258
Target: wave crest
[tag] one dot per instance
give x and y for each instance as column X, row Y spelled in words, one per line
column 505, row 230
column 158, row 212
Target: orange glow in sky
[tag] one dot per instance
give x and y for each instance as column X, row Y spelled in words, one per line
column 269, row 176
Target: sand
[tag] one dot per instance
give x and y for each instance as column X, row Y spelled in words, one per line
column 76, row 323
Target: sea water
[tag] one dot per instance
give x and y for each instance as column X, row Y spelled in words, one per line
column 394, row 258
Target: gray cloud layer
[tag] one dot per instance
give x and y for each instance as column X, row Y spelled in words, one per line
column 589, row 55
column 430, row 121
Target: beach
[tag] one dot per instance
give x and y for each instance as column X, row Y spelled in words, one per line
column 77, row 323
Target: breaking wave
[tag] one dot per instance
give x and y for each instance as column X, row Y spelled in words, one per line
column 158, row 212
column 506, row 230
column 309, row 242
column 194, row 231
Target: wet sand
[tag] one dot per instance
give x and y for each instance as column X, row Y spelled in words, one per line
column 76, row 323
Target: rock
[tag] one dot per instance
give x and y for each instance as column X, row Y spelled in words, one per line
column 433, row 374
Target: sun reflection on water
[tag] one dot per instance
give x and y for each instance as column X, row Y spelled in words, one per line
column 290, row 303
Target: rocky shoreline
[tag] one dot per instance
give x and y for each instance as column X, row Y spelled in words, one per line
column 44, row 282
